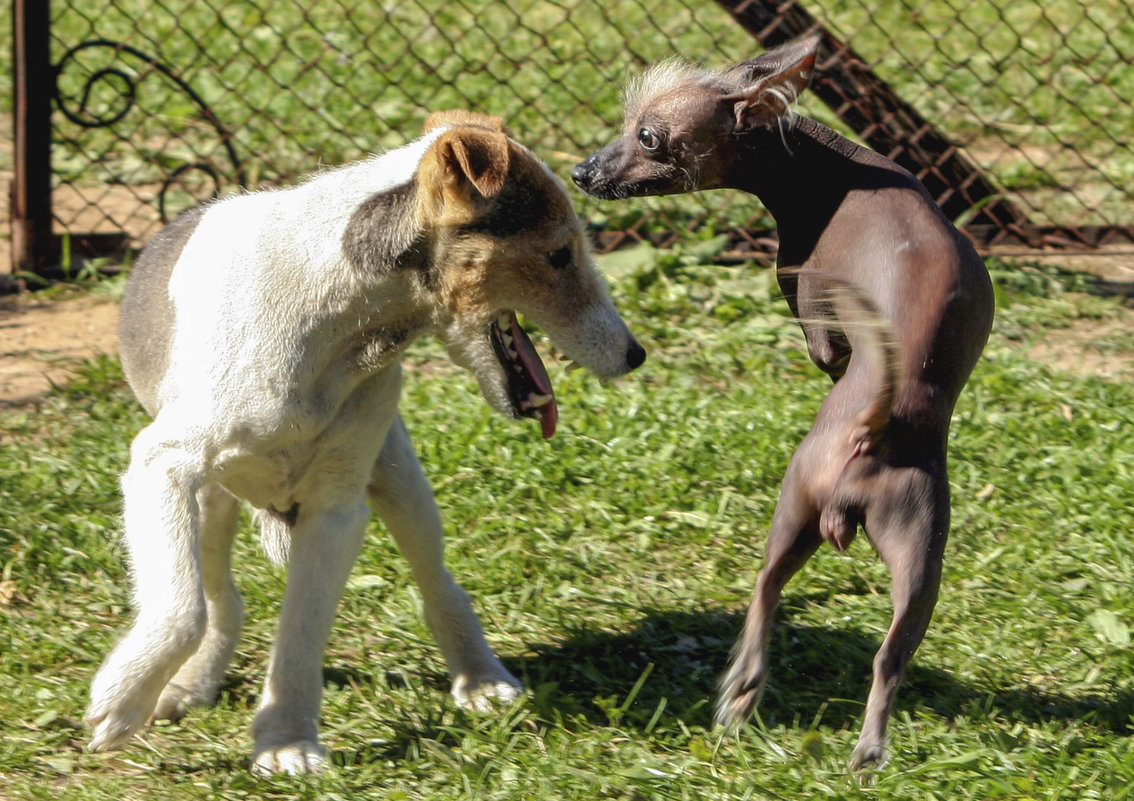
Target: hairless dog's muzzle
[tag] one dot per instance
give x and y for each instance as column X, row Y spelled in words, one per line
column 581, row 174
column 584, row 174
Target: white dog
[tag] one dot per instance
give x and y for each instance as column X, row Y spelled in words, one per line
column 264, row 333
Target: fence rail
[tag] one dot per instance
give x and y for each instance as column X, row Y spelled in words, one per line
column 1015, row 113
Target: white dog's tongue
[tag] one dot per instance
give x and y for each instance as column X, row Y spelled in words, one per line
column 548, row 412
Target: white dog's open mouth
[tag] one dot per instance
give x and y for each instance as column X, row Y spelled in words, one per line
column 529, row 387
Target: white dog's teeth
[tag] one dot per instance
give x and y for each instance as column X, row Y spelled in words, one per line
column 504, row 321
column 538, row 401
column 507, row 338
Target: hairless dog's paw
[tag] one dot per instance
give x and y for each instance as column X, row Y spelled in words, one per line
column 740, row 691
column 731, row 712
column 868, row 756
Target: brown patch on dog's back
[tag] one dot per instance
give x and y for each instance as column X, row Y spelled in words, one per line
column 146, row 318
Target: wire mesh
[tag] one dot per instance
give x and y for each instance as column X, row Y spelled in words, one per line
column 162, row 103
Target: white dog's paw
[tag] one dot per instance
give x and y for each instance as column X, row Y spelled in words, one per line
column 114, row 723
column 118, row 709
column 176, row 701
column 293, row 759
column 482, row 693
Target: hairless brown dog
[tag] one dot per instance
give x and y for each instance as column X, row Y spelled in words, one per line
column 849, row 219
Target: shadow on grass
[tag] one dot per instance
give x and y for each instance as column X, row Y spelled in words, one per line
column 815, row 671
column 819, row 676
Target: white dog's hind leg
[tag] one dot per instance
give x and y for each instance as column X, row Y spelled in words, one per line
column 161, row 522
column 197, row 682
column 324, row 546
column 402, row 498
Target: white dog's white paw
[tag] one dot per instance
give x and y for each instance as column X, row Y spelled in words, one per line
column 176, row 701
column 126, row 689
column 482, row 693
column 293, row 759
column 118, row 708
column 115, row 723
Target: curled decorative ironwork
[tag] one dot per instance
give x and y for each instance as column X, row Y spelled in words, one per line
column 123, row 85
column 174, row 178
column 93, row 81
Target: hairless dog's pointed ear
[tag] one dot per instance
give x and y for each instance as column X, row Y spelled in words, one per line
column 775, row 81
column 774, row 61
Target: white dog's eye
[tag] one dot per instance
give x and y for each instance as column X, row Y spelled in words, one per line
column 559, row 259
column 648, row 139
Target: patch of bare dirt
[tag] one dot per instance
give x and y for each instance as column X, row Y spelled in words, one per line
column 41, row 341
column 1088, row 348
column 1095, row 347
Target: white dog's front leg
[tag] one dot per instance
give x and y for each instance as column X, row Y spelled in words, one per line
column 324, row 546
column 402, row 498
column 161, row 527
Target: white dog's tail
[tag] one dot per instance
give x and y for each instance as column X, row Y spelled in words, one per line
column 275, row 536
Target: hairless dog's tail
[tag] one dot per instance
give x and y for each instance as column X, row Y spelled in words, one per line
column 867, row 329
column 874, row 349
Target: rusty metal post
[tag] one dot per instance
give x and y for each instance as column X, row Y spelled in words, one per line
column 33, row 248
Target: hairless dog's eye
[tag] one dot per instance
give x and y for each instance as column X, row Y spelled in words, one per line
column 648, row 139
column 559, row 258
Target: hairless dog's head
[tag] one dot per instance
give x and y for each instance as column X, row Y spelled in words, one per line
column 683, row 123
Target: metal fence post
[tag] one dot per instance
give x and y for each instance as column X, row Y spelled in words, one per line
column 33, row 248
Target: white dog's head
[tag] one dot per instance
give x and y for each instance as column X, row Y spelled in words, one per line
column 503, row 237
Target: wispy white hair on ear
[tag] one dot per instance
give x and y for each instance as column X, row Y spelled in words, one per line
column 785, row 95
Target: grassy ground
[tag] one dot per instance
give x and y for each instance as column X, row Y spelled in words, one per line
column 611, row 566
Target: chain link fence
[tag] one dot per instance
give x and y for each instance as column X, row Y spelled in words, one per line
column 162, row 103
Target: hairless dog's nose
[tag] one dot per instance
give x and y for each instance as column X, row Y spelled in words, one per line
column 581, row 174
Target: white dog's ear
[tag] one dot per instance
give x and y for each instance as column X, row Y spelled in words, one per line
column 477, row 156
column 439, row 119
column 465, row 166
column 777, row 78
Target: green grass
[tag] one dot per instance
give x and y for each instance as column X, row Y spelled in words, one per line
column 611, row 567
